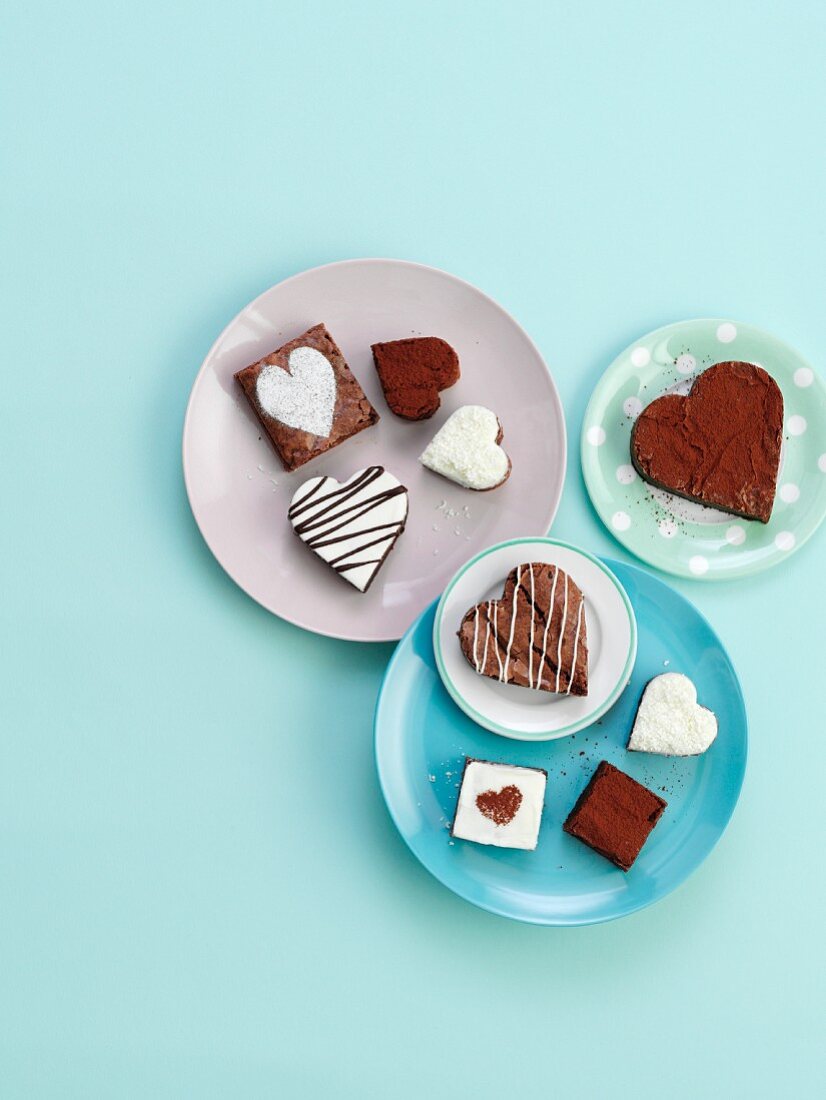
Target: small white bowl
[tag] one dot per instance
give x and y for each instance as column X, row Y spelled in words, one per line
column 515, row 711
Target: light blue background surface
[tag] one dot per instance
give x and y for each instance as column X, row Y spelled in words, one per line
column 201, row 893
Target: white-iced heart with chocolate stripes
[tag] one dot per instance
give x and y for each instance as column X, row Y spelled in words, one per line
column 534, row 636
column 351, row 525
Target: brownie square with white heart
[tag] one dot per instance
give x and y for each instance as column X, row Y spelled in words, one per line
column 306, row 397
column 500, row 804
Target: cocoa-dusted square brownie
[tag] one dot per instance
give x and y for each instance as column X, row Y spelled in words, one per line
column 306, row 397
column 614, row 815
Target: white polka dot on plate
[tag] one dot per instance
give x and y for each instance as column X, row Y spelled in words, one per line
column 789, row 493
column 620, row 521
column 667, row 528
column 796, row 425
column 640, row 357
column 735, row 535
column 686, row 363
column 698, row 565
column 626, row 474
column 821, row 463
column 784, row 540
column 596, row 436
column 803, row 377
column 726, row 332
column 632, row 406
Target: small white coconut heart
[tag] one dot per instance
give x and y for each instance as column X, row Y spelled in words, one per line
column 670, row 721
column 466, row 449
column 303, row 396
column 352, row 525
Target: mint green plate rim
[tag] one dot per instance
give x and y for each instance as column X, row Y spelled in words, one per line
column 795, row 521
column 572, row 727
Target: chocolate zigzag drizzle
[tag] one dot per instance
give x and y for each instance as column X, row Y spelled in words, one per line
column 351, row 525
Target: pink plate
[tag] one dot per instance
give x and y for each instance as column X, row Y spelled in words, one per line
column 239, row 491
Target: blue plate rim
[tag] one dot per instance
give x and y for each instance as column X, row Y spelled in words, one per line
column 583, row 921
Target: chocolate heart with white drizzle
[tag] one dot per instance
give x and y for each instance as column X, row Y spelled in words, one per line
column 303, row 396
column 534, row 636
column 352, row 525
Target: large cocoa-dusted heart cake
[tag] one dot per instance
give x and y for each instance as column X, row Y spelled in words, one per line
column 534, row 636
column 720, row 444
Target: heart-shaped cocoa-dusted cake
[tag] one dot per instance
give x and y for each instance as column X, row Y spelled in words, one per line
column 720, row 444
column 535, row 636
column 412, row 373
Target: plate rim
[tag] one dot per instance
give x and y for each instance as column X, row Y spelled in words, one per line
column 559, row 410
column 759, row 565
column 582, row 922
column 489, row 723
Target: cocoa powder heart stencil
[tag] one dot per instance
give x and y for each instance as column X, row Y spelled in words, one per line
column 535, row 636
column 500, row 806
column 303, row 396
column 720, row 444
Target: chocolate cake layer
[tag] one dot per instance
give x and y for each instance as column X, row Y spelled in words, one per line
column 413, row 371
column 719, row 445
column 306, row 397
column 535, row 636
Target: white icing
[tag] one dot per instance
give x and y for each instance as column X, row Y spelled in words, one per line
column 352, row 524
column 547, row 628
column 670, row 721
column 303, row 396
column 481, row 662
column 561, row 635
column 465, row 449
column 533, row 623
column 523, row 830
column 576, row 644
column 495, row 605
column 513, row 623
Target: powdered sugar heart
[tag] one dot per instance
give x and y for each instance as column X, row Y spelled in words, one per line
column 303, row 396
column 466, row 449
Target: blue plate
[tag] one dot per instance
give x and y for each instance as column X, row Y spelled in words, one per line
column 422, row 738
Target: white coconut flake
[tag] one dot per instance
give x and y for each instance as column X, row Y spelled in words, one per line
column 465, row 450
column 670, row 721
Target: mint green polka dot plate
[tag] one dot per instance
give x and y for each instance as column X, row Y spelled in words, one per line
column 679, row 536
